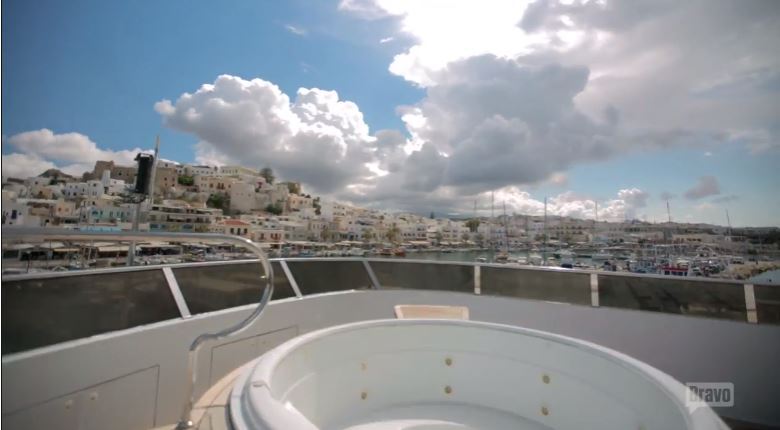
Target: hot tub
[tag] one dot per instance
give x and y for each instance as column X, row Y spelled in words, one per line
column 441, row 374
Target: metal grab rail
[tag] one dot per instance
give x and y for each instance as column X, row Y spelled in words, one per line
column 51, row 234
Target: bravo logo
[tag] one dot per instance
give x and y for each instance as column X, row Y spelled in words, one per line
column 714, row 394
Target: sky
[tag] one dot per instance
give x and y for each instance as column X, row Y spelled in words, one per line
column 421, row 106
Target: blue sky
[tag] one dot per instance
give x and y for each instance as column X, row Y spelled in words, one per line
column 98, row 68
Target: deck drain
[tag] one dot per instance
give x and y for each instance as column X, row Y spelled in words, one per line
column 545, row 411
column 363, row 395
column 448, row 389
column 448, row 361
column 546, row 378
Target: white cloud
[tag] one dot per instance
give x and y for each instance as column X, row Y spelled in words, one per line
column 490, row 123
column 73, row 153
column 317, row 139
column 24, row 165
column 559, row 179
column 650, row 61
column 518, row 201
column 366, row 9
column 706, row 186
column 298, row 31
column 516, row 94
column 386, row 39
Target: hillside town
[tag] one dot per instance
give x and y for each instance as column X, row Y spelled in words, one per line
column 250, row 203
column 238, row 200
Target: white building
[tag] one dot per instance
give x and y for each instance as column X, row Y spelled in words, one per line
column 93, row 188
column 192, row 170
column 105, row 209
column 245, row 198
column 112, row 187
column 237, row 170
column 296, row 202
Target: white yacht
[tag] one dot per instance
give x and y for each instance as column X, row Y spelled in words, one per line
column 367, row 344
column 356, row 252
column 602, row 256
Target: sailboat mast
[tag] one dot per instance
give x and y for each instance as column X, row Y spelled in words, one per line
column 544, row 229
column 492, row 218
column 506, row 231
column 728, row 220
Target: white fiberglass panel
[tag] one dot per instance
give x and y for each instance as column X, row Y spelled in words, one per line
column 417, row 373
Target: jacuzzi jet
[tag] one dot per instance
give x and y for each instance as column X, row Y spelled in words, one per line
column 309, row 382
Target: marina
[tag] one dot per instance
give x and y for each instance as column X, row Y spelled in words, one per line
column 660, row 259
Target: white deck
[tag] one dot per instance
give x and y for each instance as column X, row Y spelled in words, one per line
column 139, row 375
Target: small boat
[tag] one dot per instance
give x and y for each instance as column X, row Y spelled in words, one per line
column 674, row 270
column 399, row 252
column 567, row 259
column 535, row 259
column 356, row 252
column 501, row 257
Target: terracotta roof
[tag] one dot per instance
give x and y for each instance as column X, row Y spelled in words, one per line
column 235, row 222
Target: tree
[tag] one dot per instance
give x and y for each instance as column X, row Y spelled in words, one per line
column 433, row 215
column 480, row 238
column 392, row 234
column 438, row 237
column 294, row 187
column 268, row 174
column 465, row 236
column 473, row 224
column 185, row 180
column 218, row 201
column 325, row 233
column 275, row 208
column 317, row 206
column 368, row 235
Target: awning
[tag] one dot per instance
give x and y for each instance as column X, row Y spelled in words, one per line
column 66, row 250
column 20, row 247
column 115, row 248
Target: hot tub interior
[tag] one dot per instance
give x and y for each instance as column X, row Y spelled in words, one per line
column 424, row 374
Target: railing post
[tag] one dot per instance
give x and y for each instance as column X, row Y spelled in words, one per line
column 173, row 285
column 371, row 275
column 594, row 290
column 477, row 279
column 750, row 304
column 290, row 278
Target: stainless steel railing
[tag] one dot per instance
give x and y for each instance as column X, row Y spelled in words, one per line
column 51, row 234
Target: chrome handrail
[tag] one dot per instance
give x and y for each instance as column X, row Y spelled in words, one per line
column 51, row 234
